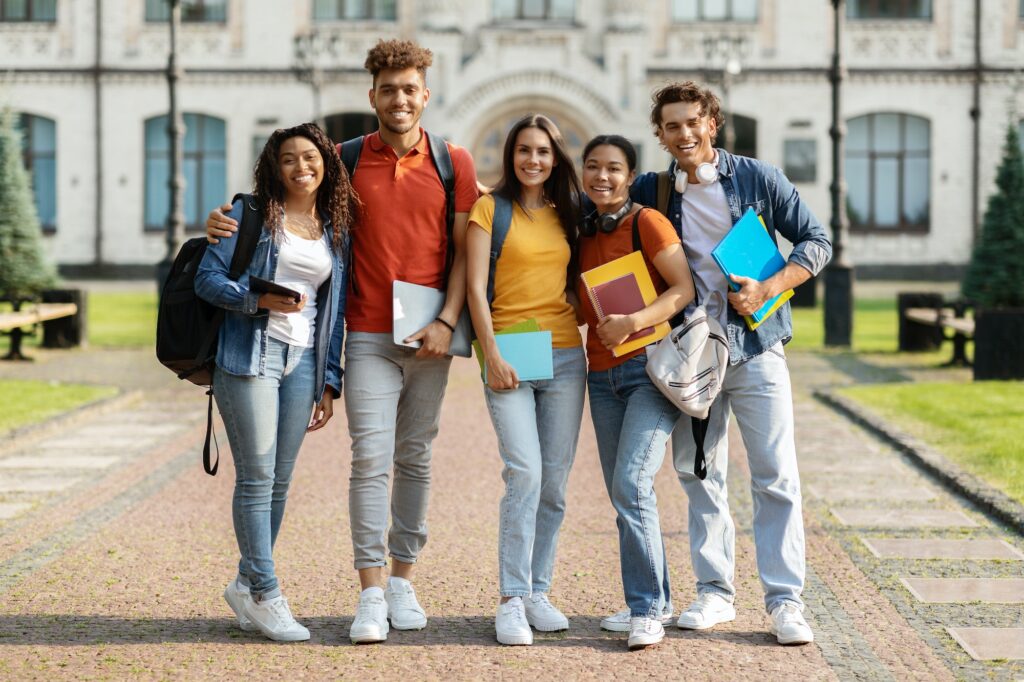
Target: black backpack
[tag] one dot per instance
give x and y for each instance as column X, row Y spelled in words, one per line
column 350, row 151
column 187, row 327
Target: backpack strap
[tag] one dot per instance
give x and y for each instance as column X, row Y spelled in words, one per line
column 446, row 173
column 350, row 150
column 664, row 185
column 499, row 231
column 248, row 236
column 699, row 428
column 637, row 245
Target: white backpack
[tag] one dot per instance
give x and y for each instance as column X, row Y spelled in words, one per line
column 688, row 366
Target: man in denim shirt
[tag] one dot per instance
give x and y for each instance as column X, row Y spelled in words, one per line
column 709, row 190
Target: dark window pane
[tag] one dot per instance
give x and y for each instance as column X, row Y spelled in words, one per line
column 191, row 172
column 15, row 10
column 533, row 9
column 158, row 171
column 886, row 133
column 385, row 9
column 44, row 186
column 886, row 192
column 157, row 10
column 355, row 9
column 915, row 191
column 800, row 160
column 325, row 10
column 858, row 197
column 916, row 133
column 563, row 9
column 857, row 134
column 44, row 10
column 44, row 136
column 504, row 9
column 684, row 10
column 713, row 10
column 744, row 10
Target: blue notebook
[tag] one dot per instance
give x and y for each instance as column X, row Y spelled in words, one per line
column 529, row 353
column 748, row 250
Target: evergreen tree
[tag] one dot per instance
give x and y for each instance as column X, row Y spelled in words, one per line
column 24, row 269
column 995, row 276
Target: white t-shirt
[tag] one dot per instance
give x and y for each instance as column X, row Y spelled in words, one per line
column 705, row 221
column 302, row 265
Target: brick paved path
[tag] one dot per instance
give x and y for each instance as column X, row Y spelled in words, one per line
column 119, row 574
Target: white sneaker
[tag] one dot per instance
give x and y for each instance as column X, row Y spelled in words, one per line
column 543, row 615
column 510, row 624
column 707, row 611
column 789, row 626
column 404, row 611
column 619, row 622
column 644, row 631
column 236, row 594
column 371, row 623
column 274, row 619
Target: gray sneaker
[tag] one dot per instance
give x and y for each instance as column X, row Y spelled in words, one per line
column 619, row 622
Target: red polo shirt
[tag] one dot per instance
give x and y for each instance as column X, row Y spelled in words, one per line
column 401, row 232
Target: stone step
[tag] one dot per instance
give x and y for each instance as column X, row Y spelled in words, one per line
column 988, row 644
column 858, row 490
column 963, row 590
column 938, row 548
column 902, row 518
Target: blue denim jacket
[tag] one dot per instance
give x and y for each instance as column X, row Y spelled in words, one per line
column 749, row 183
column 242, row 344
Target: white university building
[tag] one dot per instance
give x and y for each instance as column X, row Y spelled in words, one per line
column 932, row 86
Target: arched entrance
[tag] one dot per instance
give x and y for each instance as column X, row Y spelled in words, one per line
column 744, row 140
column 341, row 127
column 489, row 144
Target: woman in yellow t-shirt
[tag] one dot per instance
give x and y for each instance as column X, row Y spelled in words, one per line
column 537, row 422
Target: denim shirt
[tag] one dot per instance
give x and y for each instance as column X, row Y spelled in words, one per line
column 242, row 344
column 749, row 183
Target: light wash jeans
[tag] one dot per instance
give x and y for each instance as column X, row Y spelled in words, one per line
column 633, row 422
column 759, row 393
column 537, row 426
column 266, row 418
column 393, row 402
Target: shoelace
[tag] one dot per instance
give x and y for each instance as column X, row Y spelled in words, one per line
column 282, row 612
column 406, row 598
column 517, row 614
column 788, row 613
column 543, row 603
column 366, row 606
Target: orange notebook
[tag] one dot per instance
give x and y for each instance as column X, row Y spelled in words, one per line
column 621, row 287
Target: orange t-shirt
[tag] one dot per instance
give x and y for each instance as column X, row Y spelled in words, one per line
column 400, row 234
column 656, row 234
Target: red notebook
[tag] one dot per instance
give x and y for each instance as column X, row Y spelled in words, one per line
column 620, row 296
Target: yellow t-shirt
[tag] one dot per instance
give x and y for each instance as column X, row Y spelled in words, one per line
column 529, row 279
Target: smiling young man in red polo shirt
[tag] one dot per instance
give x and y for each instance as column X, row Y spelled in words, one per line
column 393, row 393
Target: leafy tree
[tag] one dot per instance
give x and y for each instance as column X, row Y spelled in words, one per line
column 24, row 269
column 995, row 276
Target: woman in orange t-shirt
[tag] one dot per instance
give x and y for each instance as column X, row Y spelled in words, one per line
column 632, row 419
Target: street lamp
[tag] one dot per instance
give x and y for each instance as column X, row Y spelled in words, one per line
column 726, row 50
column 176, row 132
column 309, row 48
column 839, row 273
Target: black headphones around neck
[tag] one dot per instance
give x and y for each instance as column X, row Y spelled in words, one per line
column 605, row 222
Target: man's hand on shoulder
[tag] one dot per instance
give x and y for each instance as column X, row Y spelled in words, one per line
column 218, row 224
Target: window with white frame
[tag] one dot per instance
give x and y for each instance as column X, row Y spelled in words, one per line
column 28, row 10
column 518, row 10
column 205, row 169
column 714, row 10
column 193, row 11
column 888, row 172
column 39, row 152
column 889, row 9
column 354, row 10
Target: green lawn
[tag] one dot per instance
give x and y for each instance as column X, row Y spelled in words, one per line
column 30, row 402
column 116, row 320
column 978, row 425
column 875, row 326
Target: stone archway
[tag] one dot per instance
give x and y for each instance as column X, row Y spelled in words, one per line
column 345, row 126
column 489, row 142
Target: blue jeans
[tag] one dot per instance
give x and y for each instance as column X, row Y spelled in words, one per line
column 537, row 426
column 266, row 418
column 633, row 422
column 759, row 393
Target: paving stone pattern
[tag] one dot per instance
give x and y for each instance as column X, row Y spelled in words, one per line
column 119, row 574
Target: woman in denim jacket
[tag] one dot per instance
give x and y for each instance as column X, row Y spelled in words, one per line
column 278, row 358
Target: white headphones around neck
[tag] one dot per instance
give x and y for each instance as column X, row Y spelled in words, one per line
column 707, row 174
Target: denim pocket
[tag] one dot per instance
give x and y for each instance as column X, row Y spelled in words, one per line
column 777, row 349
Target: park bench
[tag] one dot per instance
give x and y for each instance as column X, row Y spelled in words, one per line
column 12, row 322
column 952, row 317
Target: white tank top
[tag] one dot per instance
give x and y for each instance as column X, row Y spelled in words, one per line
column 302, row 265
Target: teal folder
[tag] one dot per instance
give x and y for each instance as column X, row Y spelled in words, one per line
column 748, row 250
column 529, row 353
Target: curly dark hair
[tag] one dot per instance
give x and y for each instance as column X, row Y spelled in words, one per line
column 689, row 92
column 336, row 198
column 397, row 54
column 562, row 188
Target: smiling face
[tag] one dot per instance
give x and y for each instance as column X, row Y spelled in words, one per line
column 687, row 135
column 532, row 159
column 301, row 166
column 607, row 177
column 399, row 97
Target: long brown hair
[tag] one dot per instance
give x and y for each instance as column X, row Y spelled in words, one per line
column 562, row 188
column 335, row 198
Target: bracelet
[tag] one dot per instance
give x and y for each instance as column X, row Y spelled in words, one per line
column 445, row 323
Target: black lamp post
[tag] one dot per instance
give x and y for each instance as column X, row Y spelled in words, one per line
column 839, row 273
column 727, row 50
column 176, row 133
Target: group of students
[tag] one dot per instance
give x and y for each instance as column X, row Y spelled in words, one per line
column 342, row 241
